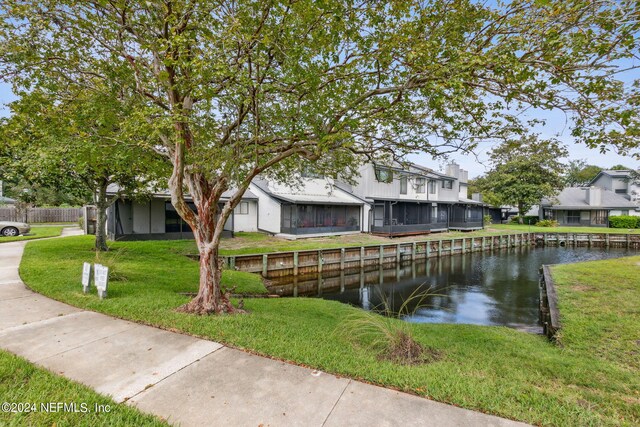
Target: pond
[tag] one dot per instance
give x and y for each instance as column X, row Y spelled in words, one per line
column 482, row 288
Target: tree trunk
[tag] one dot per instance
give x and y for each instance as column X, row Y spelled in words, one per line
column 520, row 213
column 210, row 298
column 101, row 215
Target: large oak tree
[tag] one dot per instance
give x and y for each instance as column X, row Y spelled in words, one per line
column 234, row 89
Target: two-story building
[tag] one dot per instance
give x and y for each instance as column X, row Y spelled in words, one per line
column 416, row 199
column 621, row 182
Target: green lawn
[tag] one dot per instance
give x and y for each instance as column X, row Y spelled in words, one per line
column 254, row 243
column 533, row 229
column 495, row 370
column 23, row 383
column 37, row 232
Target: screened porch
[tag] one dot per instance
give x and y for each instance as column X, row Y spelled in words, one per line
column 393, row 218
column 319, row 219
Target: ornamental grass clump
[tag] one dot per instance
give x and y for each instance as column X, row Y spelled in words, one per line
column 387, row 335
column 113, row 261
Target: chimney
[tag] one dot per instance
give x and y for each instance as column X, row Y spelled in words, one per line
column 594, row 196
column 476, row 197
column 453, row 169
column 464, row 176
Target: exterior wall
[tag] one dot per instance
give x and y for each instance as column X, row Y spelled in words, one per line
column 157, row 216
column 268, row 211
column 603, row 181
column 141, row 218
column 368, row 186
column 246, row 222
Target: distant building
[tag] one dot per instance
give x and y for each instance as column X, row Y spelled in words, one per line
column 619, row 181
column 585, row 206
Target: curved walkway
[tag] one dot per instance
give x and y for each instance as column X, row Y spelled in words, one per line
column 193, row 382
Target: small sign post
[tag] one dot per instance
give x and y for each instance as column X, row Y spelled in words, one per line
column 101, row 278
column 86, row 277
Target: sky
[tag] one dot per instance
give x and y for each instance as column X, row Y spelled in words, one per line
column 555, row 127
column 476, row 164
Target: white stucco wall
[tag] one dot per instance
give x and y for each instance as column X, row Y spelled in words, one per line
column 248, row 221
column 268, row 211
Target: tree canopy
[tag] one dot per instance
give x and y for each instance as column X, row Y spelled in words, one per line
column 578, row 173
column 231, row 90
column 526, row 170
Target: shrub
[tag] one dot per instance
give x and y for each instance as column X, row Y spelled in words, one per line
column 547, row 223
column 624, row 221
column 530, row 219
column 81, row 222
column 487, row 220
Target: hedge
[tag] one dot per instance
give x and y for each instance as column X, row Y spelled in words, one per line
column 624, row 221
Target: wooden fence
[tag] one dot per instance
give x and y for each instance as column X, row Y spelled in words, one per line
column 295, row 263
column 40, row 215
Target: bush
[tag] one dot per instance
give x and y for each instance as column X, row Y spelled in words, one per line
column 531, row 219
column 624, row 221
column 81, row 222
column 487, row 220
column 547, row 223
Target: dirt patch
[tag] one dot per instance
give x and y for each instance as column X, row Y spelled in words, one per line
column 407, row 351
column 581, row 288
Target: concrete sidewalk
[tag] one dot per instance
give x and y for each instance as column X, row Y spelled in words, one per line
column 194, row 382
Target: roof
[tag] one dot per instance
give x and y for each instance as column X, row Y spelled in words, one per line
column 313, row 191
column 612, row 173
column 469, row 201
column 572, row 198
column 7, row 200
column 165, row 194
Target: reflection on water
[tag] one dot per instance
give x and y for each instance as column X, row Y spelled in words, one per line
column 482, row 288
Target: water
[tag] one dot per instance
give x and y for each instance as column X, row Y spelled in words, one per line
column 482, row 288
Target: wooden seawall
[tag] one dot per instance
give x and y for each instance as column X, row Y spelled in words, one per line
column 549, row 314
column 278, row 264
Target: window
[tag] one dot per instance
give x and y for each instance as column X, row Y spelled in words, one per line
column 173, row 223
column 420, row 184
column 573, row 217
column 403, row 184
column 447, row 184
column 383, row 174
column 243, row 208
column 432, row 187
column 621, row 191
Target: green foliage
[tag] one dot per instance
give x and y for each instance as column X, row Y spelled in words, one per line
column 487, row 220
column 526, row 170
column 526, row 219
column 547, row 223
column 228, row 93
column 624, row 221
column 578, row 173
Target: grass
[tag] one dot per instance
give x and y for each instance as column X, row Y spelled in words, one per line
column 22, row 382
column 255, row 243
column 533, row 229
column 495, row 370
column 37, row 232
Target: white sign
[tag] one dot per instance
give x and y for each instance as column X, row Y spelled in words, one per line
column 86, row 277
column 101, row 278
